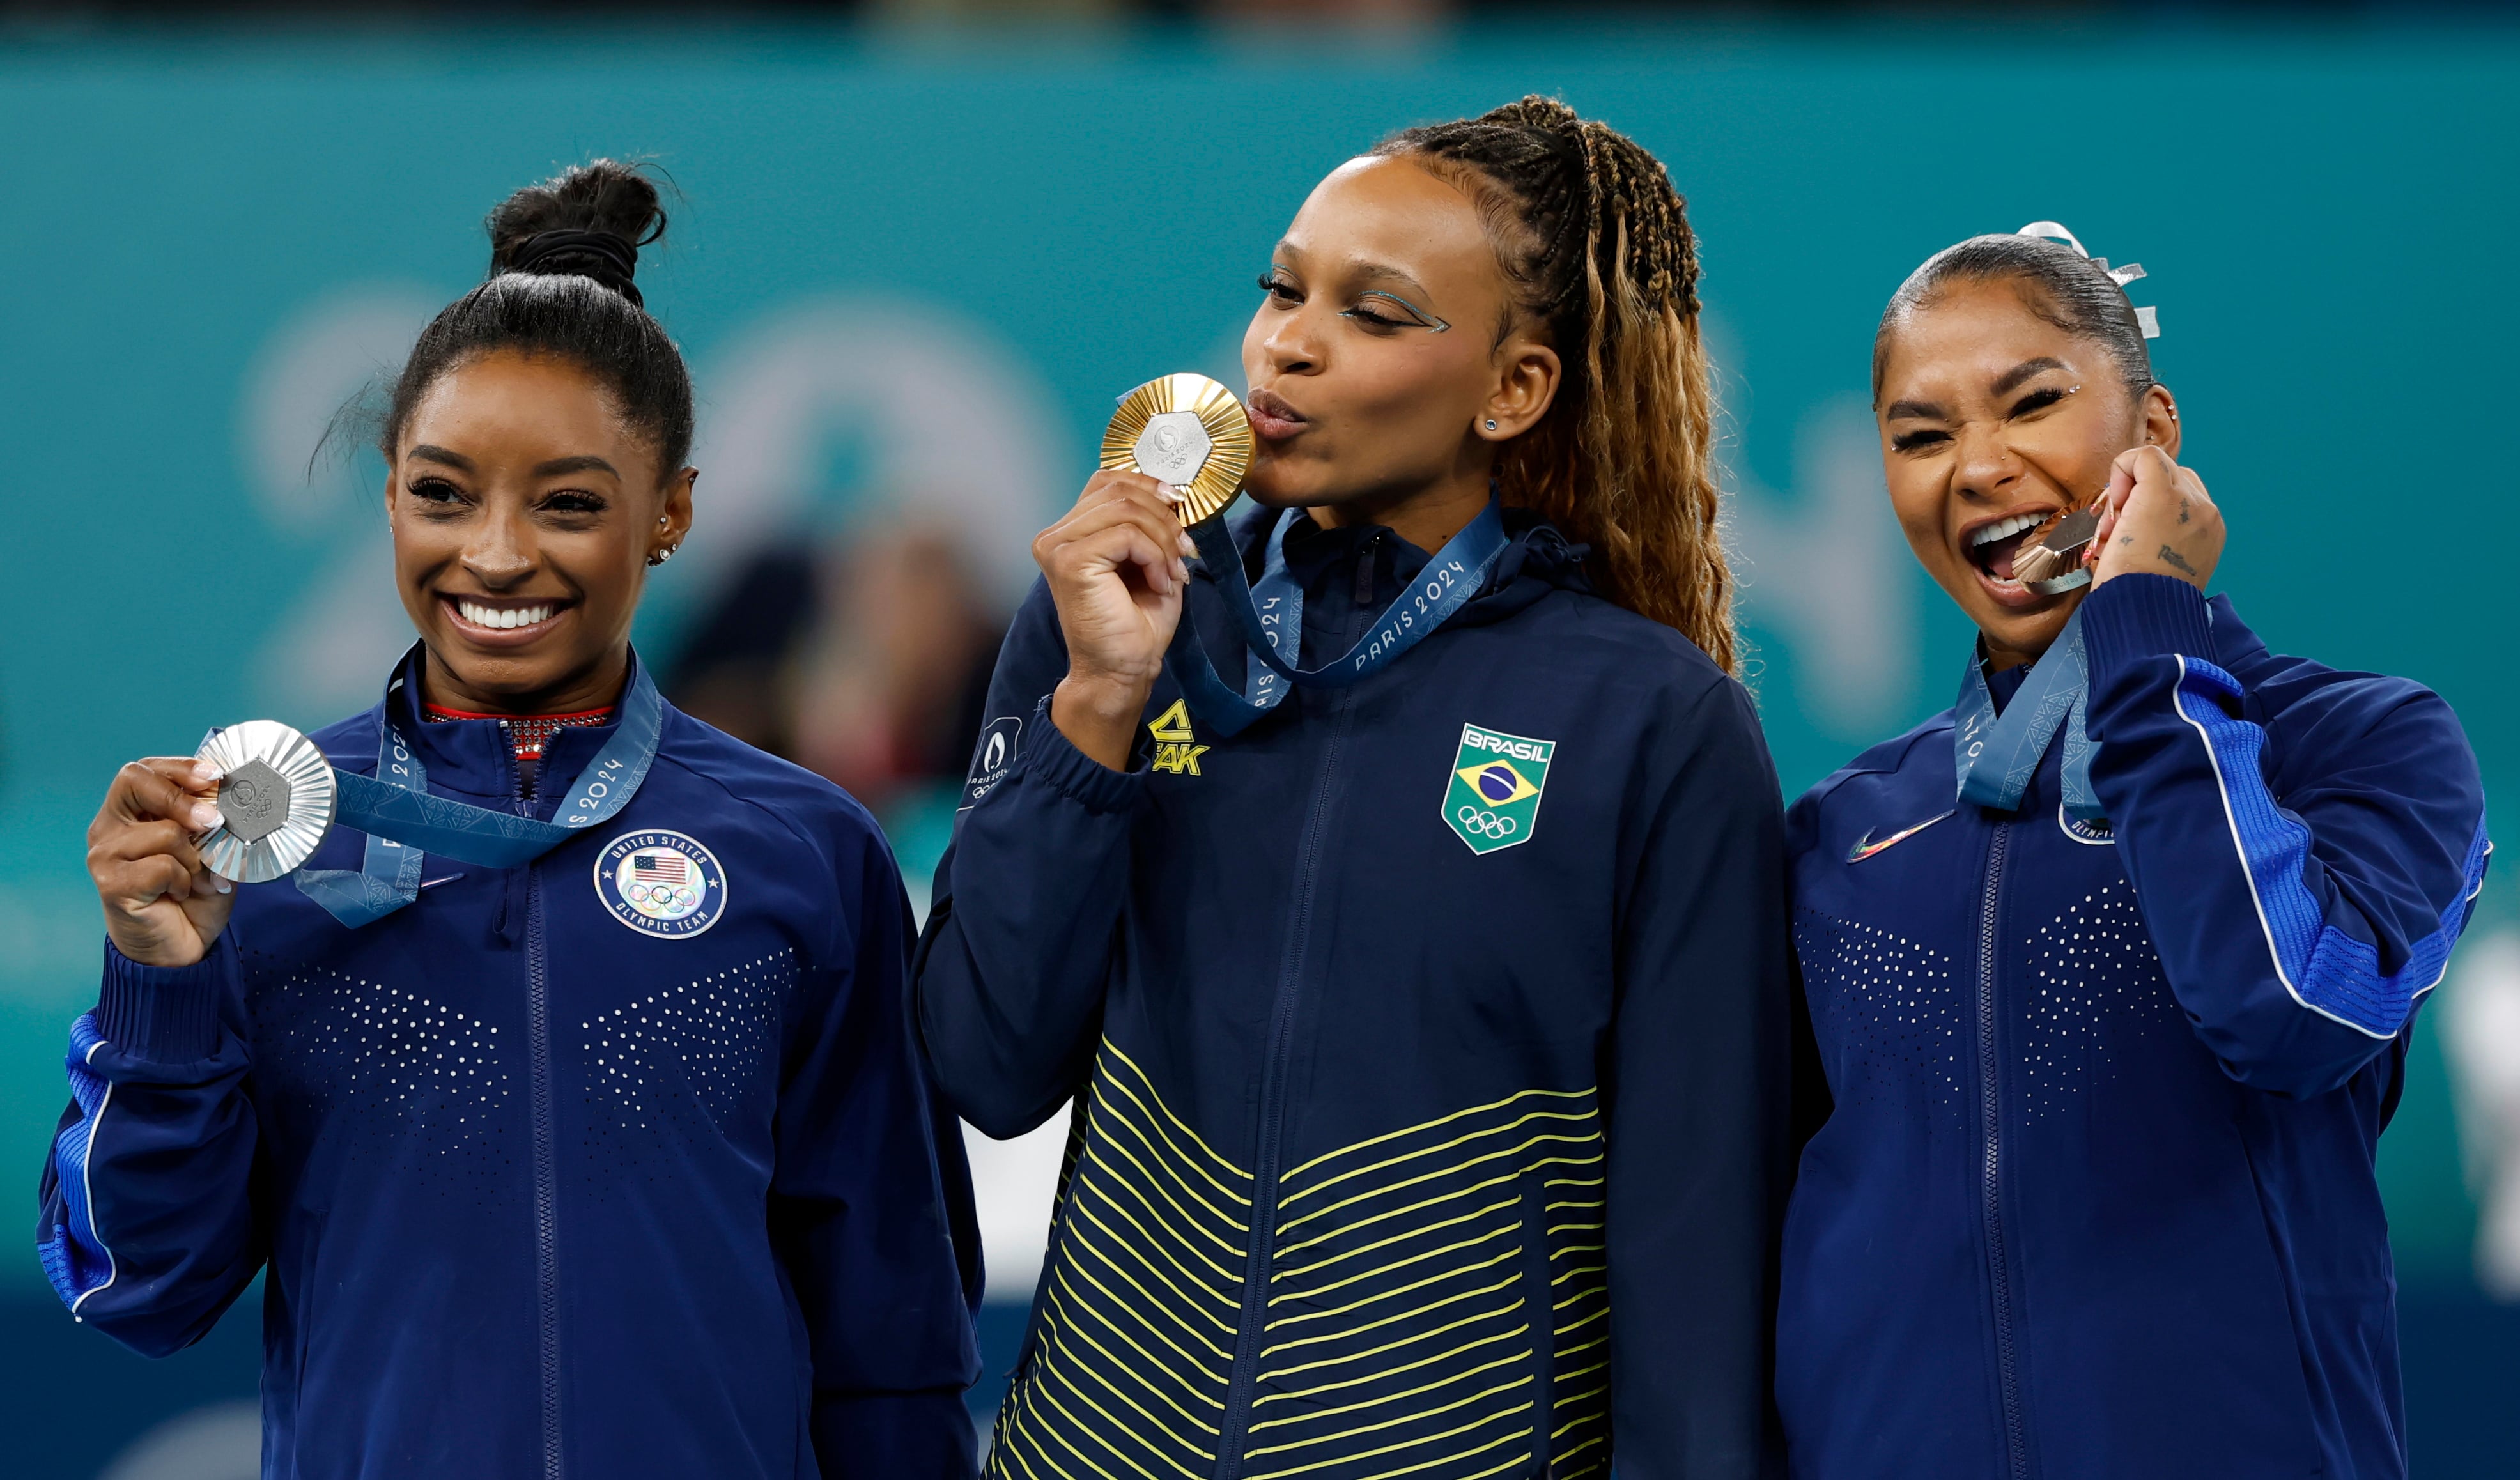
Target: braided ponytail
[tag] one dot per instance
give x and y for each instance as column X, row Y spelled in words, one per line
column 1596, row 244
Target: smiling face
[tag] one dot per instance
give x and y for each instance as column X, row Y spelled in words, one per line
column 1994, row 421
column 1374, row 359
column 523, row 512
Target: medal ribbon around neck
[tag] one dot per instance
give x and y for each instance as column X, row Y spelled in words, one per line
column 1271, row 618
column 1191, row 432
column 1999, row 755
column 404, row 821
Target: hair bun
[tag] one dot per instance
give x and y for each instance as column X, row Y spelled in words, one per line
column 589, row 221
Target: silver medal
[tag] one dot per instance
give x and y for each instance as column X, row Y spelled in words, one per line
column 277, row 794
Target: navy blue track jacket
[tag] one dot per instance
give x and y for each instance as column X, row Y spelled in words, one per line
column 542, row 1191
column 2096, row 1197
column 1407, row 1142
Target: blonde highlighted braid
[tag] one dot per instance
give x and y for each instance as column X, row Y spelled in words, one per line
column 1597, row 243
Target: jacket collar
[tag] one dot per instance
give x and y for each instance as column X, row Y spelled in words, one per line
column 474, row 756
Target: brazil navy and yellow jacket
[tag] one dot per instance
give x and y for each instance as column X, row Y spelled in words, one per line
column 2095, row 1197
column 544, row 1188
column 1412, row 1135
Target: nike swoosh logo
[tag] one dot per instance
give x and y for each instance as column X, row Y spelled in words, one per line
column 430, row 883
column 1866, row 847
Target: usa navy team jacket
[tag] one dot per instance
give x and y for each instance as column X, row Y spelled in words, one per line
column 1427, row 1041
column 546, row 1187
column 2096, row 1197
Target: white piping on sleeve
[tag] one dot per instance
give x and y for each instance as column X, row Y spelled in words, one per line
column 87, row 1189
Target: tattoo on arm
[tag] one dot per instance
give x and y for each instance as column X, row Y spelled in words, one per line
column 2126, row 539
column 2170, row 558
column 2183, row 508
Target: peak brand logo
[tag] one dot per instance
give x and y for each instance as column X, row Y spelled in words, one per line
column 1177, row 749
column 1493, row 800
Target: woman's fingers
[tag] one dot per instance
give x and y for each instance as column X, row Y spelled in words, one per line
column 2161, row 522
column 1114, row 533
column 146, row 841
column 175, row 787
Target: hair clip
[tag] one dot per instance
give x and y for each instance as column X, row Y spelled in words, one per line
column 2148, row 319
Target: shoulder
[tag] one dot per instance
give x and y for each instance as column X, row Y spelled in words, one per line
column 821, row 817
column 1582, row 629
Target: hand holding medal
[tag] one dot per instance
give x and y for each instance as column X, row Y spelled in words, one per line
column 1174, row 454
column 163, row 906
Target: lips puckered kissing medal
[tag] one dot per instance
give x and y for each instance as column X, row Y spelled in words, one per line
column 1190, row 431
column 276, row 795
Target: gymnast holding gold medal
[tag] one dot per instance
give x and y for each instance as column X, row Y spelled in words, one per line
column 1388, row 870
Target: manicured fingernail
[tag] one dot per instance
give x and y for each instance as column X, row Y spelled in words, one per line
column 205, row 817
column 1181, row 572
column 224, row 886
column 1189, row 546
column 1167, row 492
column 206, row 774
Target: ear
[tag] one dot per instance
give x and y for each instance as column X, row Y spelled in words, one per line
column 1526, row 383
column 2160, row 411
column 674, row 509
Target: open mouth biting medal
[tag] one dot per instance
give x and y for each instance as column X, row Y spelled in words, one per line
column 2055, row 565
column 1191, row 432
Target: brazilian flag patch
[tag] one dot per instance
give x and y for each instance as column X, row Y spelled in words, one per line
column 1494, row 799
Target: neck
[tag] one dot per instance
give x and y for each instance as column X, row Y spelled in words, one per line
column 1424, row 516
column 598, row 686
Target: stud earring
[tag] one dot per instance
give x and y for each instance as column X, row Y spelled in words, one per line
column 1491, row 423
column 661, row 557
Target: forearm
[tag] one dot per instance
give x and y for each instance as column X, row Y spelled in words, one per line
column 1019, row 951
column 2297, row 930
column 147, row 1228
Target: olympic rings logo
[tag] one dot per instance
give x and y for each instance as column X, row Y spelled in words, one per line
column 1486, row 824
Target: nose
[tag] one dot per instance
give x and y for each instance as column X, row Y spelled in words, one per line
column 500, row 551
column 1290, row 346
column 1986, row 470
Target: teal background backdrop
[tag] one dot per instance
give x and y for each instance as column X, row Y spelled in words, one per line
column 911, row 272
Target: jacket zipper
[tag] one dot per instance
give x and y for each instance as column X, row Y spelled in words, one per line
column 1254, row 1315
column 546, row 1175
column 1990, row 1132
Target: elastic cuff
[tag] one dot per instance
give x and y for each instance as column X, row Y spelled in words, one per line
column 2137, row 616
column 161, row 1015
column 1077, row 776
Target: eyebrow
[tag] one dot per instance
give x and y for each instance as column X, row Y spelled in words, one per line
column 2014, row 377
column 583, row 462
column 1371, row 272
column 434, row 454
column 1931, row 411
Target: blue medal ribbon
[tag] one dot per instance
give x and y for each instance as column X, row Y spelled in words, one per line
column 1271, row 618
column 1999, row 755
column 404, row 821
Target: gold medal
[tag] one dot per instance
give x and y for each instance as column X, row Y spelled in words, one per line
column 1186, row 431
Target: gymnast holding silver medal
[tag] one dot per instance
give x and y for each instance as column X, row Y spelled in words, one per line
column 553, row 1060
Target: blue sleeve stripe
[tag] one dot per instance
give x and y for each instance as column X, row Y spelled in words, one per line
column 75, row 1258
column 2324, row 968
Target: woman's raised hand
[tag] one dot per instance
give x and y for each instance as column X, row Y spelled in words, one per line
column 161, row 906
column 1116, row 573
column 2155, row 520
